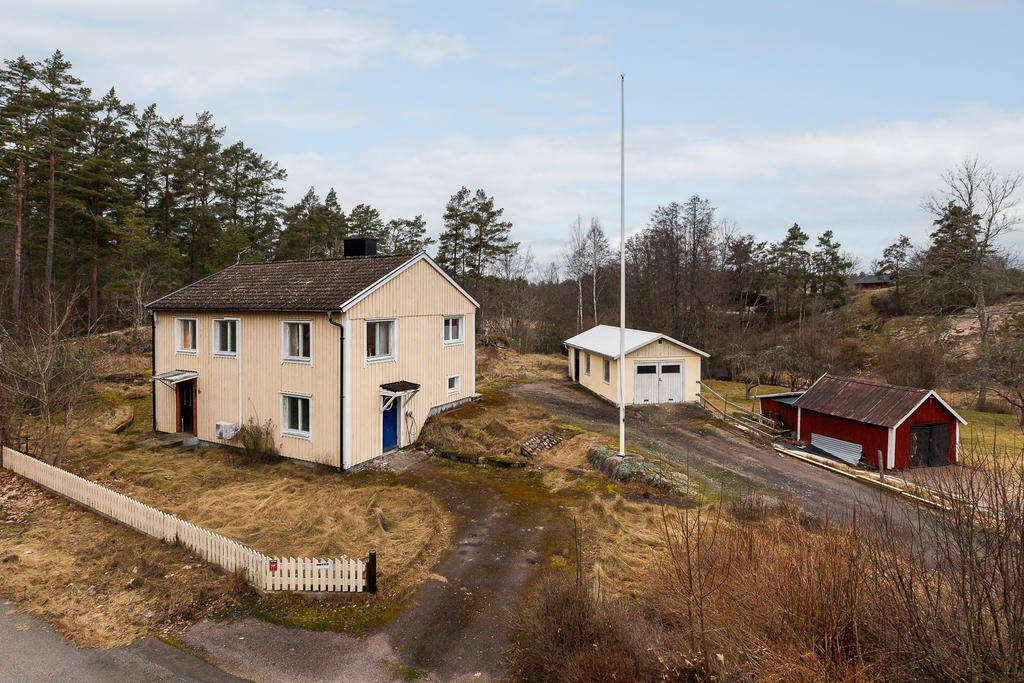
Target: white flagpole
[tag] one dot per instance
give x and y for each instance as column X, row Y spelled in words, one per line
column 622, row 266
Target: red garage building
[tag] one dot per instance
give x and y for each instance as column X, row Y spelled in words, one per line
column 853, row 419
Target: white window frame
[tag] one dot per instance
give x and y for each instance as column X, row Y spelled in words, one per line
column 606, row 369
column 393, row 340
column 302, row 360
column 194, row 351
column 586, row 363
column 462, row 330
column 295, row 433
column 215, row 337
column 458, row 384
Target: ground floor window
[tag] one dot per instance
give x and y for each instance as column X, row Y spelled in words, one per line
column 586, row 364
column 453, row 384
column 607, row 370
column 295, row 415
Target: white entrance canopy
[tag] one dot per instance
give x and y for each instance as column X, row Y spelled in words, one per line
column 172, row 377
column 389, row 391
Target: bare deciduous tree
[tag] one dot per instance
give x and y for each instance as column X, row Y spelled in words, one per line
column 975, row 187
column 598, row 252
column 45, row 376
column 576, row 264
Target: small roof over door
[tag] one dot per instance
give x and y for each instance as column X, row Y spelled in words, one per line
column 401, row 387
column 172, row 377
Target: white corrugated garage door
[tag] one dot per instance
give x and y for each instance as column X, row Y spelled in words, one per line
column 847, row 451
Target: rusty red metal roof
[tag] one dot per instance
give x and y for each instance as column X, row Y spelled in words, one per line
column 884, row 405
column 302, row 285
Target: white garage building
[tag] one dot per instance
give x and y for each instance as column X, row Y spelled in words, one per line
column 659, row 369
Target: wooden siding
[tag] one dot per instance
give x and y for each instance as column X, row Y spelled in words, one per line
column 418, row 298
column 928, row 413
column 780, row 411
column 873, row 439
column 264, row 375
column 665, row 352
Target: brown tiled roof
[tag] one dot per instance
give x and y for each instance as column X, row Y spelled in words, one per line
column 884, row 405
column 306, row 285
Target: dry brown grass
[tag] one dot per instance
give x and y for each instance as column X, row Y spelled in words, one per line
column 494, row 427
column 98, row 582
column 502, row 366
column 284, row 509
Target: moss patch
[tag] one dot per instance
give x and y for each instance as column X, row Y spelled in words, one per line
column 353, row 615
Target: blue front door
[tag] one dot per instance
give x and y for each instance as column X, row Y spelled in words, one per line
column 389, row 427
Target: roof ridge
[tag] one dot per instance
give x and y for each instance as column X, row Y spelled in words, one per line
column 321, row 259
column 878, row 384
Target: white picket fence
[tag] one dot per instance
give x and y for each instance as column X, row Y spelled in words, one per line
column 263, row 572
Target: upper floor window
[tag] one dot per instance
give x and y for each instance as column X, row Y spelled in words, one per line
column 185, row 335
column 296, row 342
column 454, row 332
column 225, row 337
column 380, row 339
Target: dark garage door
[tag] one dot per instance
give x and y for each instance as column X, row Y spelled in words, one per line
column 929, row 445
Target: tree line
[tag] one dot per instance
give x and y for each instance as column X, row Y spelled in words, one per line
column 120, row 203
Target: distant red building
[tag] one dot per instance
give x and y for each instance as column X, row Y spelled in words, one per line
column 857, row 420
column 873, row 282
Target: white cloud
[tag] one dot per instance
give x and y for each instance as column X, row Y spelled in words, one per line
column 864, row 182
column 192, row 49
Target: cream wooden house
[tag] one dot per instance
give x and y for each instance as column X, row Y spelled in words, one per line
column 347, row 357
column 659, row 369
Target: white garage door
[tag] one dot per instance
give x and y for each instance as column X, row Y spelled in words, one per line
column 658, row 383
column 645, row 384
column 670, row 389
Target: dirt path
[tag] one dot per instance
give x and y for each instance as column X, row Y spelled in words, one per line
column 456, row 626
column 714, row 455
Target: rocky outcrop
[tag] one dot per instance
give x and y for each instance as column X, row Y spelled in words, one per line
column 634, row 467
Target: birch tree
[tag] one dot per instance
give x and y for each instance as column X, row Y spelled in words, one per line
column 577, row 264
column 598, row 253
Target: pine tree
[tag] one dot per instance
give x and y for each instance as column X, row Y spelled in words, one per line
column 60, row 102
column 405, row 236
column 452, row 245
column 102, row 182
column 300, row 237
column 198, row 175
column 18, row 95
column 365, row 221
column 488, row 239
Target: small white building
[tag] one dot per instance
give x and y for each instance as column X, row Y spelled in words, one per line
column 659, row 369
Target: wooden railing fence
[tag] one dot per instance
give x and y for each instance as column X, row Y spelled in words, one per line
column 265, row 573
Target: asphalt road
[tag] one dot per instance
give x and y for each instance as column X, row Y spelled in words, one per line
column 30, row 651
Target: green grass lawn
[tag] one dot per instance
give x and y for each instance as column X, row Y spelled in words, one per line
column 734, row 391
column 988, row 434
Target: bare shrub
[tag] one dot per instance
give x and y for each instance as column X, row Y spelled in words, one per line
column 45, row 378
column 569, row 631
column 763, row 593
column 257, row 439
column 955, row 592
column 918, row 362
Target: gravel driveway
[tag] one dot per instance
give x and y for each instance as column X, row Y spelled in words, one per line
column 714, row 455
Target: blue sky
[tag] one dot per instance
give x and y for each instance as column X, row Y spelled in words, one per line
column 836, row 115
